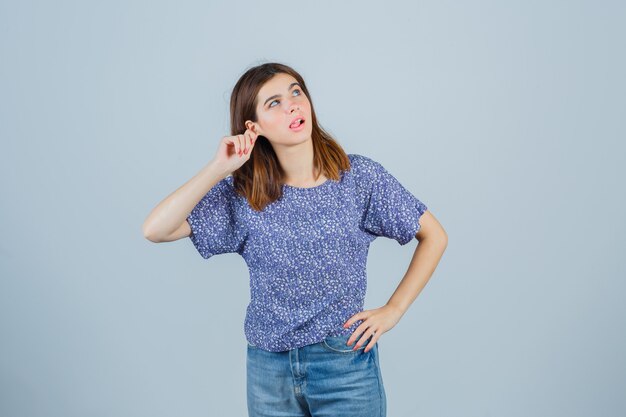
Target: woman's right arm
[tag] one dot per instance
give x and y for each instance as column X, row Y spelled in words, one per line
column 168, row 220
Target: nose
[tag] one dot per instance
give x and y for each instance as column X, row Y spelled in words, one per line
column 292, row 107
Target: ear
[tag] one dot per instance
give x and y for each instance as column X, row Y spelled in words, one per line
column 253, row 126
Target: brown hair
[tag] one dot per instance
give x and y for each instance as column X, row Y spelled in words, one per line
column 260, row 179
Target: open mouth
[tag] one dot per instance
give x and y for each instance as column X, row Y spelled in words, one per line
column 297, row 125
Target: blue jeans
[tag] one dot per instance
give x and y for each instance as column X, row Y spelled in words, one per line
column 325, row 379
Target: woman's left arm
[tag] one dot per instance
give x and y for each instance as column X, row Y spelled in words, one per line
column 433, row 241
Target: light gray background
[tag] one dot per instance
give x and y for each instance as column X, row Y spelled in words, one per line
column 505, row 118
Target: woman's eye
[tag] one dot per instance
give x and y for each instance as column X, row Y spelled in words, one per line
column 276, row 101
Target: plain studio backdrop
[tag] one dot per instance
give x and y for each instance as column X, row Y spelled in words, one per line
column 505, row 117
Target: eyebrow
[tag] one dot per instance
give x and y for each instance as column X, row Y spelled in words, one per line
column 278, row 95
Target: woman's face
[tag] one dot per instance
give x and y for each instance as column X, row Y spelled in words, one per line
column 279, row 102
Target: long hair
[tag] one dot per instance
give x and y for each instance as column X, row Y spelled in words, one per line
column 260, row 179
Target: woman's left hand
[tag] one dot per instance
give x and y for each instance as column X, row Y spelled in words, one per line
column 375, row 322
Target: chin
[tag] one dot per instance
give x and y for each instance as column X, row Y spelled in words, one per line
column 298, row 137
column 294, row 140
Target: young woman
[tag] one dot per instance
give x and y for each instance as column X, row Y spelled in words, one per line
column 302, row 213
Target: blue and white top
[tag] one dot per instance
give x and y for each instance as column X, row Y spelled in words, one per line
column 306, row 251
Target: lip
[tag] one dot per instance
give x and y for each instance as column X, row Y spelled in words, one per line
column 297, row 129
column 296, row 118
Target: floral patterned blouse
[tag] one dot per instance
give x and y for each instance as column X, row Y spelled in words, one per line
column 307, row 251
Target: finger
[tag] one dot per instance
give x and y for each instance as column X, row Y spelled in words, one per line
column 351, row 320
column 233, row 140
column 364, row 333
column 252, row 135
column 229, row 141
column 252, row 139
column 356, row 334
column 248, row 141
column 244, row 143
column 363, row 339
column 241, row 144
column 371, row 344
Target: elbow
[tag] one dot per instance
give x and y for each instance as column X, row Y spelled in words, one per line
column 442, row 237
column 149, row 234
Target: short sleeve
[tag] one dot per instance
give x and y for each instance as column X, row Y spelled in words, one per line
column 214, row 229
column 391, row 211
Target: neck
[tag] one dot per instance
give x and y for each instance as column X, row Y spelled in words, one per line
column 297, row 162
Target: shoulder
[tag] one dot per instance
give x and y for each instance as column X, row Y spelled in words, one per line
column 223, row 190
column 364, row 166
column 227, row 183
column 364, row 173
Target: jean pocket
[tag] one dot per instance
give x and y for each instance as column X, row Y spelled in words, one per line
column 338, row 344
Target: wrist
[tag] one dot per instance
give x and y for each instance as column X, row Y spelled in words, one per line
column 398, row 309
column 216, row 171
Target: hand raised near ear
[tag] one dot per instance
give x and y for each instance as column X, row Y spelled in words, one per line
column 234, row 151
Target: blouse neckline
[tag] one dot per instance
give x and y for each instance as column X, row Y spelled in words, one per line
column 305, row 189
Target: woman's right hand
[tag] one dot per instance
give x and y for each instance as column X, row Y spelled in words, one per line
column 234, row 151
